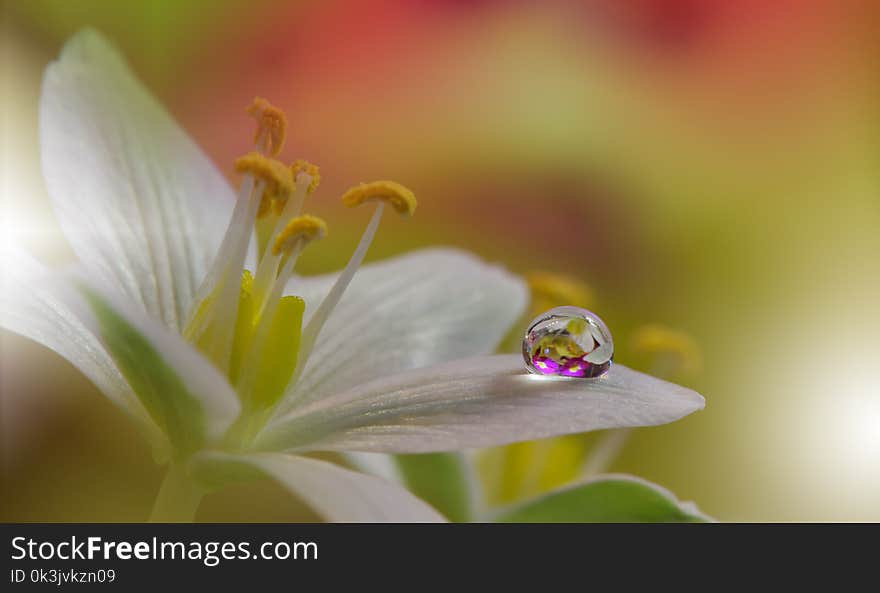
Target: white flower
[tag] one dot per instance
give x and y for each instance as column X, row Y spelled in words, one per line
column 152, row 313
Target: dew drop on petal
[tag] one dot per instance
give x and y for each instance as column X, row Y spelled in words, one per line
column 568, row 342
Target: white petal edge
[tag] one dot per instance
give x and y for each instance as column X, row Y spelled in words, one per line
column 376, row 464
column 31, row 306
column 335, row 493
column 412, row 311
column 217, row 399
column 139, row 202
column 476, row 402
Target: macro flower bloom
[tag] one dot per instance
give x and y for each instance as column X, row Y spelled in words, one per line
column 233, row 366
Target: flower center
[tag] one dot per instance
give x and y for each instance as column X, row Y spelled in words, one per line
column 242, row 320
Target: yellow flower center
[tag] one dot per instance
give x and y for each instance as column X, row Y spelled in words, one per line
column 243, row 321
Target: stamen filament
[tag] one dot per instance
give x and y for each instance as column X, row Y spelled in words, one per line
column 293, row 206
column 268, row 267
column 235, row 228
column 296, row 234
column 225, row 307
column 227, row 264
column 266, row 273
column 313, row 327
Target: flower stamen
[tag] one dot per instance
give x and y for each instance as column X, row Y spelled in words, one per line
column 400, row 198
column 381, row 192
column 305, row 229
column 216, row 302
column 271, row 126
column 277, row 179
column 242, row 322
column 298, row 233
column 301, row 167
column 306, row 180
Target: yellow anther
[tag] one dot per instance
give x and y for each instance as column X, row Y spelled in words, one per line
column 275, row 174
column 271, row 126
column 555, row 290
column 305, row 228
column 265, row 206
column 677, row 348
column 300, row 166
column 400, row 198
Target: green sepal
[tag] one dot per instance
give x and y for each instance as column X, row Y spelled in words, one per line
column 158, row 387
column 611, row 499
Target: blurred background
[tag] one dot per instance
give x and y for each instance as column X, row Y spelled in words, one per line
column 709, row 165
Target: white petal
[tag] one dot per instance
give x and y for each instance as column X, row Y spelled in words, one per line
column 193, row 377
column 423, row 308
column 29, row 306
column 336, row 493
column 139, row 202
column 477, row 402
column 375, row 464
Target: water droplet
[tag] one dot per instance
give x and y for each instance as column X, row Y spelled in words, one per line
column 569, row 342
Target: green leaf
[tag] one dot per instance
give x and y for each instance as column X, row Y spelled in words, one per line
column 159, row 388
column 607, row 499
column 442, row 480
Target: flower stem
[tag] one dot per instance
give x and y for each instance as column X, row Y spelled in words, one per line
column 178, row 498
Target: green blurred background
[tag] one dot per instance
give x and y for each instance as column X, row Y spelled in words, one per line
column 711, row 165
